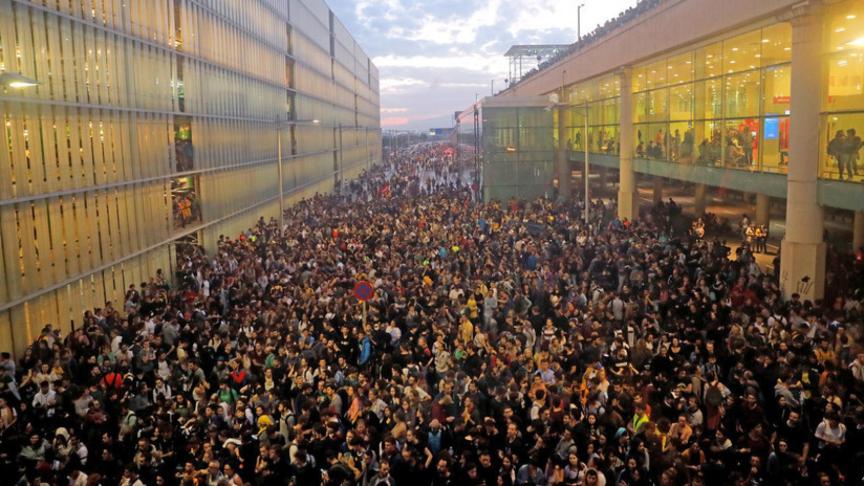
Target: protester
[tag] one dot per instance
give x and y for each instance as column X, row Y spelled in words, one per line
column 504, row 344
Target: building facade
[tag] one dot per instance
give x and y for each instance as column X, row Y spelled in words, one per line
column 736, row 94
column 157, row 124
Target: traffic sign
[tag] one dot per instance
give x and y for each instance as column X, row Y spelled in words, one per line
column 363, row 291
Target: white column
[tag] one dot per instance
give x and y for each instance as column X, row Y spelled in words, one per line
column 763, row 209
column 858, row 231
column 627, row 203
column 562, row 156
column 803, row 250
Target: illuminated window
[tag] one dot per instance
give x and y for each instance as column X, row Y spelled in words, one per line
column 742, row 52
column 742, row 94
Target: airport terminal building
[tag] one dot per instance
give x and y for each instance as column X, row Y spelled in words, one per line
column 742, row 95
column 132, row 129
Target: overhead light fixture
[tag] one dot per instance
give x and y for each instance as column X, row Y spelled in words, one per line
column 840, row 29
column 850, row 17
column 17, row 81
column 859, row 42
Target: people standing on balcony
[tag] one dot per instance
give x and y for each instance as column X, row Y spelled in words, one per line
column 837, row 150
column 852, row 152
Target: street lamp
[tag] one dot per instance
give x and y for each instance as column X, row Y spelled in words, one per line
column 586, row 169
column 17, row 81
column 579, row 21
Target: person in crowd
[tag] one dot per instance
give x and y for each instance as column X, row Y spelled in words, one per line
column 505, row 343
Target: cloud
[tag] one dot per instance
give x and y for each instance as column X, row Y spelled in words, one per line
column 472, row 62
column 394, row 121
column 450, row 29
column 396, row 85
column 436, row 56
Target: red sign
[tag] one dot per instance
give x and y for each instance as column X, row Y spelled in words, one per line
column 363, row 291
column 781, row 100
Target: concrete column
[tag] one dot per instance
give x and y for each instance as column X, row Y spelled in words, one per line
column 562, row 156
column 658, row 189
column 858, row 231
column 803, row 250
column 699, row 199
column 763, row 209
column 628, row 205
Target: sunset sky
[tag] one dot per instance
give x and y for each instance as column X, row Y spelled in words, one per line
column 435, row 56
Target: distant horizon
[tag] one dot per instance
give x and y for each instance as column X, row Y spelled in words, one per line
column 435, row 57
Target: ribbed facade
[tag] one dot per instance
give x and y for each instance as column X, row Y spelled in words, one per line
column 155, row 125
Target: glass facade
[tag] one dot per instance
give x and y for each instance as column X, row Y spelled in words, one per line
column 842, row 119
column 722, row 104
column 598, row 100
column 156, row 122
column 727, row 103
column 518, row 152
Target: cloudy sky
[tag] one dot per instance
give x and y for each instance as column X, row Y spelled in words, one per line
column 435, row 55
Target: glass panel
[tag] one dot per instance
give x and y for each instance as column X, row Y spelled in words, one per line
column 603, row 139
column 657, row 75
column 775, row 144
column 638, row 82
column 681, row 102
column 610, row 140
column 595, row 113
column 742, row 94
column 609, row 87
column 499, row 139
column 741, row 143
column 708, row 61
column 845, row 26
column 183, row 144
column 708, row 99
column 657, row 105
column 841, row 152
column 498, row 117
column 576, row 138
column 682, row 147
column 778, row 83
column 845, row 89
column 680, row 68
column 776, row 44
column 652, row 140
column 640, row 107
column 742, row 53
column 708, row 151
column 611, row 110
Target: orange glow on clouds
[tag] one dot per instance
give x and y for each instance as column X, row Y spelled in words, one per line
column 394, row 121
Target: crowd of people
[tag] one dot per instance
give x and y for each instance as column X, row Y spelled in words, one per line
column 505, row 344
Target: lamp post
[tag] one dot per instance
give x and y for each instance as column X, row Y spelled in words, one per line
column 579, row 21
column 585, row 169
